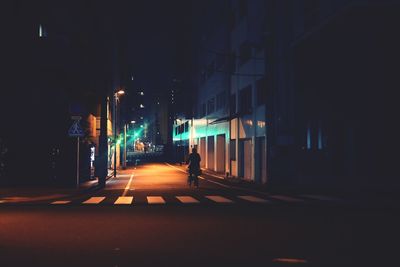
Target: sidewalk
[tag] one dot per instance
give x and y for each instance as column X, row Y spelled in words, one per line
column 359, row 198
column 21, row 195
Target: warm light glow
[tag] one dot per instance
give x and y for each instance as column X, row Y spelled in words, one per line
column 249, row 122
column 261, row 124
column 120, row 92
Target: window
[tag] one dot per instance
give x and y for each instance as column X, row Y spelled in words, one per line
column 221, row 100
column 232, row 104
column 211, row 106
column 245, row 53
column 262, row 91
column 245, row 103
column 42, row 31
column 232, row 149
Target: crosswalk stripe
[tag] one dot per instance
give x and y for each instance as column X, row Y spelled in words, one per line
column 187, row 199
column 155, row 200
column 219, row 199
column 94, row 200
column 286, row 198
column 61, row 202
column 254, row 199
column 123, row 201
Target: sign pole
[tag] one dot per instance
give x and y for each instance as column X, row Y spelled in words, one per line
column 76, row 131
column 77, row 162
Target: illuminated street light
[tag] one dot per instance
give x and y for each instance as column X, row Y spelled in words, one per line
column 120, row 92
column 116, row 94
column 133, row 121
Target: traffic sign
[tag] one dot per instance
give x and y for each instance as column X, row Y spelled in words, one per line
column 76, row 130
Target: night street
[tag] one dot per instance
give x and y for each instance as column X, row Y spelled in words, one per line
column 139, row 232
column 199, row 133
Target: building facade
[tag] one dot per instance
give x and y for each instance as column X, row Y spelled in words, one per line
column 287, row 92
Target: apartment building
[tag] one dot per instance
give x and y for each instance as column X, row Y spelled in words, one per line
column 296, row 93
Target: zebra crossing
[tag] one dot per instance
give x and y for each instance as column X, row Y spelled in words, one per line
column 205, row 199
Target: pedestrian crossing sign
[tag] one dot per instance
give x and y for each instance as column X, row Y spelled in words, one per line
column 75, row 130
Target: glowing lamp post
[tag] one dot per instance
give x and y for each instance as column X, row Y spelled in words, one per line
column 116, row 95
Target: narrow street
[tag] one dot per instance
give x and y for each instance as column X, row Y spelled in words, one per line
column 166, row 184
column 148, row 216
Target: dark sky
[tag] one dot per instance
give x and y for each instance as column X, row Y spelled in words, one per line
column 152, row 34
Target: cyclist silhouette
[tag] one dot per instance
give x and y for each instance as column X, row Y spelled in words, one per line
column 194, row 167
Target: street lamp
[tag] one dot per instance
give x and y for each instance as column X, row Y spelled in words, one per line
column 116, row 94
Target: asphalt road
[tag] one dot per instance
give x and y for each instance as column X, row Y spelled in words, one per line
column 206, row 233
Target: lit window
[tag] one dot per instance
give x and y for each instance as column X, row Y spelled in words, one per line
column 42, row 31
column 320, row 137
column 308, row 137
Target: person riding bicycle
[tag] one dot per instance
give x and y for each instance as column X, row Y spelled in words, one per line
column 194, row 167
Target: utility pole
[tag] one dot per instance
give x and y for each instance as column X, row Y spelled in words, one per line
column 124, row 163
column 115, row 134
column 103, row 140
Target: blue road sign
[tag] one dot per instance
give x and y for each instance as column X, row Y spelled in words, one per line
column 76, row 130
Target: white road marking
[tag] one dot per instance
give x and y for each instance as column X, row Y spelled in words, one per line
column 94, row 200
column 286, row 198
column 219, row 199
column 124, row 201
column 254, row 199
column 216, row 176
column 128, row 186
column 155, row 200
column 61, row 202
column 187, row 199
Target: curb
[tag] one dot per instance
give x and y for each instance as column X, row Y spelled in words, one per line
column 73, row 194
